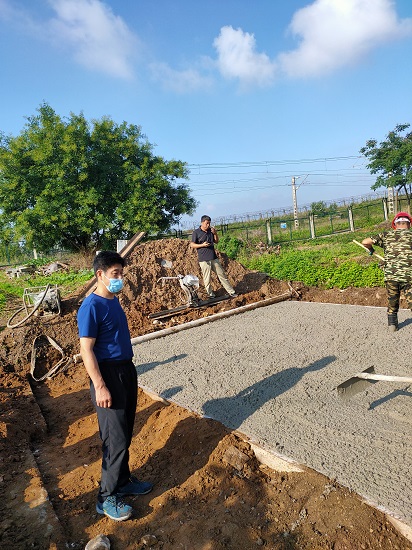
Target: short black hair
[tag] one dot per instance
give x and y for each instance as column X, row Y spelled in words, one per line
column 205, row 218
column 106, row 259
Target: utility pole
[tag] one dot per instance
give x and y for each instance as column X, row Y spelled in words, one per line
column 295, row 202
column 391, row 197
column 391, row 201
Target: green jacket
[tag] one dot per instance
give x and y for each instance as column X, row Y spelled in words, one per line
column 397, row 246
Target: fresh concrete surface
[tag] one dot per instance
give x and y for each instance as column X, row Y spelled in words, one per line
column 271, row 374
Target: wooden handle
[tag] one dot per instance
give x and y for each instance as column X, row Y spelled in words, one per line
column 367, row 376
column 366, row 248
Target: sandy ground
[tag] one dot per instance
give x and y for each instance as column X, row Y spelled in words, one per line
column 210, row 491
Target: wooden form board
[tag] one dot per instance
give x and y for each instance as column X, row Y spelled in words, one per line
column 125, row 251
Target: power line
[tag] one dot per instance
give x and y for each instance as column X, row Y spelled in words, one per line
column 236, row 174
column 228, row 178
column 218, row 191
column 270, row 162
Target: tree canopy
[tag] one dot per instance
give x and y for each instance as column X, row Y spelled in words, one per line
column 320, row 208
column 392, row 160
column 81, row 185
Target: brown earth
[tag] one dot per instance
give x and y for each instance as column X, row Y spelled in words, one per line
column 210, row 491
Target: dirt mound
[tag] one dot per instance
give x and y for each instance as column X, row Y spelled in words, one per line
column 210, row 492
column 143, row 294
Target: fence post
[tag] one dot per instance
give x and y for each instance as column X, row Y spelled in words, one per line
column 350, row 215
column 312, row 226
column 385, row 208
column 269, row 232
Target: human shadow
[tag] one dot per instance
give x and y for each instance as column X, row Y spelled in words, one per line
column 405, row 323
column 146, row 367
column 170, row 392
column 392, row 395
column 233, row 411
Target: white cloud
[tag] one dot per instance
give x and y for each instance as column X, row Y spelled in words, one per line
column 97, row 38
column 336, row 33
column 238, row 58
column 183, row 81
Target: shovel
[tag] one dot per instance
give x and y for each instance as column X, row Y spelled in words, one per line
column 362, row 380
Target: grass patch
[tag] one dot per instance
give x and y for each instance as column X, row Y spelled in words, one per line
column 333, row 263
column 67, row 281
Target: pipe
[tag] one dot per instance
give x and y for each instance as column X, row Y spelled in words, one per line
column 197, row 322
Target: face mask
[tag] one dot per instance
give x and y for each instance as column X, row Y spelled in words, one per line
column 115, row 285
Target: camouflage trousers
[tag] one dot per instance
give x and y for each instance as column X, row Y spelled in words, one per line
column 394, row 289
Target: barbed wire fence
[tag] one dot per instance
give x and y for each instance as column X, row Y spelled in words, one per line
column 282, row 211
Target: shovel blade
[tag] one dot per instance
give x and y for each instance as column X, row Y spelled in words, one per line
column 355, row 385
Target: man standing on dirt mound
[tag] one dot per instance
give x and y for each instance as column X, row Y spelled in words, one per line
column 204, row 239
column 107, row 354
column 397, row 246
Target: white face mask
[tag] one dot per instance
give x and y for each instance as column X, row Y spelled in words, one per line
column 115, row 285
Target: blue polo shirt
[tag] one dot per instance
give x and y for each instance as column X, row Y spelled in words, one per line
column 105, row 320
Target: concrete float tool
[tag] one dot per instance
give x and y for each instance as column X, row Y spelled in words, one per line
column 361, row 381
column 189, row 284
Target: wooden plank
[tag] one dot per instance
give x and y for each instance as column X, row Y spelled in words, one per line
column 124, row 253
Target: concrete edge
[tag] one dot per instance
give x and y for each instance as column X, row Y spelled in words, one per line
column 274, row 461
column 403, row 528
column 282, row 463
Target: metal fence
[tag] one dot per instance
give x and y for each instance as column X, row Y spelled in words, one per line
column 15, row 253
column 277, row 230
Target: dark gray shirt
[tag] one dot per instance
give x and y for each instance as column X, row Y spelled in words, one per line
column 205, row 254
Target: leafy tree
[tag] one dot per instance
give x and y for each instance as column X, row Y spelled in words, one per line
column 321, row 209
column 392, row 160
column 81, row 185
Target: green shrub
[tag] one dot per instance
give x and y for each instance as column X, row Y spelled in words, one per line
column 320, row 267
column 231, row 246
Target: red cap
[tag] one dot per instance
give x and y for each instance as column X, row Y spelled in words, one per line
column 406, row 217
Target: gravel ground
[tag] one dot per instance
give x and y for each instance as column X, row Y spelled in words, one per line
column 271, row 374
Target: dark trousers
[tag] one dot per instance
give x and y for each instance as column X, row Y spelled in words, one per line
column 116, row 424
column 394, row 290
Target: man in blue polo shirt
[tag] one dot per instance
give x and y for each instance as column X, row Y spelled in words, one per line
column 107, row 354
column 204, row 239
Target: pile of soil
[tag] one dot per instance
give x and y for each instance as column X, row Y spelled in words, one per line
column 210, row 491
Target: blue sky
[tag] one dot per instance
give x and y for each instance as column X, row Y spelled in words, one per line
column 249, row 94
